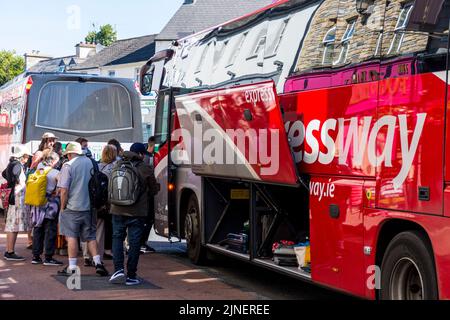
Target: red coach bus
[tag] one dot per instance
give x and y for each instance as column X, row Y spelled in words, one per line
column 323, row 121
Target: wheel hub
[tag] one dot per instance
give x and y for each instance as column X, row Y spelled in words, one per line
column 406, row 281
column 188, row 229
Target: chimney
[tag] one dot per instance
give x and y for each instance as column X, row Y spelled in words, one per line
column 85, row 50
column 33, row 58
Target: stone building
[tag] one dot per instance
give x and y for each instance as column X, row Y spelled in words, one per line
column 340, row 36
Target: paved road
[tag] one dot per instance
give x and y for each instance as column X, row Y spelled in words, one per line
column 168, row 275
column 265, row 284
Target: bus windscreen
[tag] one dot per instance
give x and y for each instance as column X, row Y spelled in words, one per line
column 76, row 107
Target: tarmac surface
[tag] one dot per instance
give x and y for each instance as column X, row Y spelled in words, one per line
column 167, row 274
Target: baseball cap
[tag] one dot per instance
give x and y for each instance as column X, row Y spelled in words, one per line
column 138, row 148
column 74, row 148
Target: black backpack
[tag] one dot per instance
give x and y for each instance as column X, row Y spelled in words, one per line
column 11, row 180
column 98, row 187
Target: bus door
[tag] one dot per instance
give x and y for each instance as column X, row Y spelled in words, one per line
column 166, row 123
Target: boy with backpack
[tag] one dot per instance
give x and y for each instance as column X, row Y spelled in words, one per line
column 131, row 184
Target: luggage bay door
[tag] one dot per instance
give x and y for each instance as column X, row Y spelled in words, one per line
column 237, row 133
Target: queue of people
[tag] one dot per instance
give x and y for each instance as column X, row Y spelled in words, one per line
column 64, row 205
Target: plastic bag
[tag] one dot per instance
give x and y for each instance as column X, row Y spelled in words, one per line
column 303, row 254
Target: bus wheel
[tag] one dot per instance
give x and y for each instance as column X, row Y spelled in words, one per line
column 407, row 270
column 196, row 252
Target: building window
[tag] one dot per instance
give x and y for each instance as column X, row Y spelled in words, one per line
column 112, row 73
column 202, row 59
column 275, row 45
column 185, row 51
column 219, row 50
column 345, row 42
column 328, row 43
column 237, row 50
column 378, row 45
column 400, row 27
column 260, row 45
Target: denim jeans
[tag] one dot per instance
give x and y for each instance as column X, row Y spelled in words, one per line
column 45, row 236
column 135, row 228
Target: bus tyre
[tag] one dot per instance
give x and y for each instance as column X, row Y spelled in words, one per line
column 407, row 270
column 196, row 252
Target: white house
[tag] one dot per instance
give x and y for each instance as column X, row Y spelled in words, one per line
column 123, row 59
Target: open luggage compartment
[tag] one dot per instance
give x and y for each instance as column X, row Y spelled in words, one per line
column 248, row 220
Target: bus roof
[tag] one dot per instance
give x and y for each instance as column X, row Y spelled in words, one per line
column 60, row 74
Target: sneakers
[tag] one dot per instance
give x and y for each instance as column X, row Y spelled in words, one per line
column 101, row 270
column 13, row 257
column 147, row 249
column 133, row 281
column 36, row 260
column 118, row 277
column 107, row 257
column 66, row 272
column 89, row 262
column 52, row 262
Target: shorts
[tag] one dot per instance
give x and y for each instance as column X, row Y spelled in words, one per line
column 76, row 224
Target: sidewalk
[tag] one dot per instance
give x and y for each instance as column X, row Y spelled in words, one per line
column 166, row 275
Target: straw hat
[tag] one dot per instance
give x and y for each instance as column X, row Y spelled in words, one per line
column 73, row 148
column 49, row 135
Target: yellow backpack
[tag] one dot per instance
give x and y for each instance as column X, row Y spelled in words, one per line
column 36, row 191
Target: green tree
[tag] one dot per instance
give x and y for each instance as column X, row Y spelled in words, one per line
column 11, row 65
column 105, row 36
column 91, row 37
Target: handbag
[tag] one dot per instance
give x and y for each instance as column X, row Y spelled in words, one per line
column 5, row 194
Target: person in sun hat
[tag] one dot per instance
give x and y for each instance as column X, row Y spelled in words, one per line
column 76, row 219
column 18, row 219
column 48, row 142
column 45, row 218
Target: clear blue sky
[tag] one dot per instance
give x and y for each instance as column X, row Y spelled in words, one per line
column 54, row 27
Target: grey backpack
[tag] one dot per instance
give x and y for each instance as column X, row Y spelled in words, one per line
column 125, row 185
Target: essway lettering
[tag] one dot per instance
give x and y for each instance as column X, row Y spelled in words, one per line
column 340, row 136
